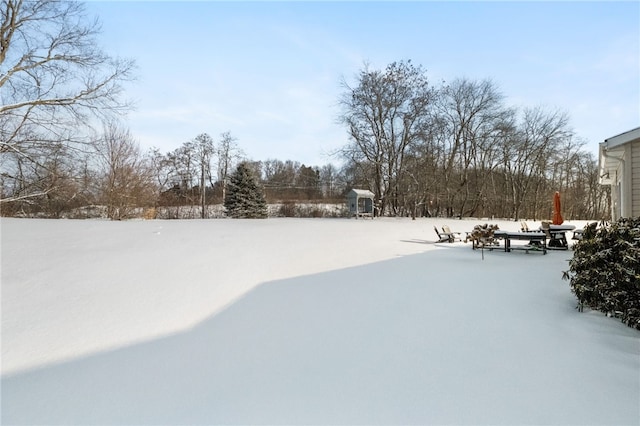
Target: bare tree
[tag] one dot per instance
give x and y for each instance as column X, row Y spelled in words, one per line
column 204, row 149
column 161, row 167
column 125, row 174
column 385, row 114
column 228, row 154
column 329, row 181
column 471, row 112
column 525, row 156
column 182, row 172
column 54, row 80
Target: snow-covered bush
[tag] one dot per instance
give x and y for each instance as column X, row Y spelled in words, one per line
column 605, row 270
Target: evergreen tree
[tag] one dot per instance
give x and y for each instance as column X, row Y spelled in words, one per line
column 244, row 197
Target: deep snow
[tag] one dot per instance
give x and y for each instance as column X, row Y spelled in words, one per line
column 298, row 321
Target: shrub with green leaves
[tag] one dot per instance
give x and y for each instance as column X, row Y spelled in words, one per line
column 605, row 270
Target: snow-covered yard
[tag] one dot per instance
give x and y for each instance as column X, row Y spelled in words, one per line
column 299, row 321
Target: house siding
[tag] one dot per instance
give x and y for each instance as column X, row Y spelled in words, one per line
column 619, row 158
column 635, row 178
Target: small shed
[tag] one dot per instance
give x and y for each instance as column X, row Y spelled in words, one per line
column 360, row 202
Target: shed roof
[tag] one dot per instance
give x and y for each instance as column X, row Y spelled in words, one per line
column 361, row 193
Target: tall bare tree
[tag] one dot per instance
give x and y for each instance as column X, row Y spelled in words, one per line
column 471, row 113
column 54, row 79
column 385, row 113
column 526, row 155
column 204, row 149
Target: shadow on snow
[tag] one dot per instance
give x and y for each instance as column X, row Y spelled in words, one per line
column 427, row 338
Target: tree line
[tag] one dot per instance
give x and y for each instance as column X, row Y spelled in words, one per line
column 453, row 149
column 62, row 142
column 456, row 149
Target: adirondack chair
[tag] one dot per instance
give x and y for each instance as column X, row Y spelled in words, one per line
column 447, row 230
column 444, row 237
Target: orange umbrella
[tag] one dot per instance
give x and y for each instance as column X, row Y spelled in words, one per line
column 557, row 217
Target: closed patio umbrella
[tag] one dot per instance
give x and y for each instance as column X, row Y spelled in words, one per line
column 557, row 216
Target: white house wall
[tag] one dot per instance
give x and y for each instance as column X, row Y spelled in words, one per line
column 635, row 178
column 620, row 168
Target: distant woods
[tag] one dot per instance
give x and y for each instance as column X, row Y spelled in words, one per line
column 453, row 149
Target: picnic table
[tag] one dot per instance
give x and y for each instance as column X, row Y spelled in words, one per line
column 537, row 240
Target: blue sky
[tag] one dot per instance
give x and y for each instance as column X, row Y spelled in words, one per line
column 270, row 72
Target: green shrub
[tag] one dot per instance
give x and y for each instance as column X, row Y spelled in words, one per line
column 605, row 270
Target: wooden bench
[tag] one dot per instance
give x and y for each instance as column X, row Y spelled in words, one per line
column 537, row 240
